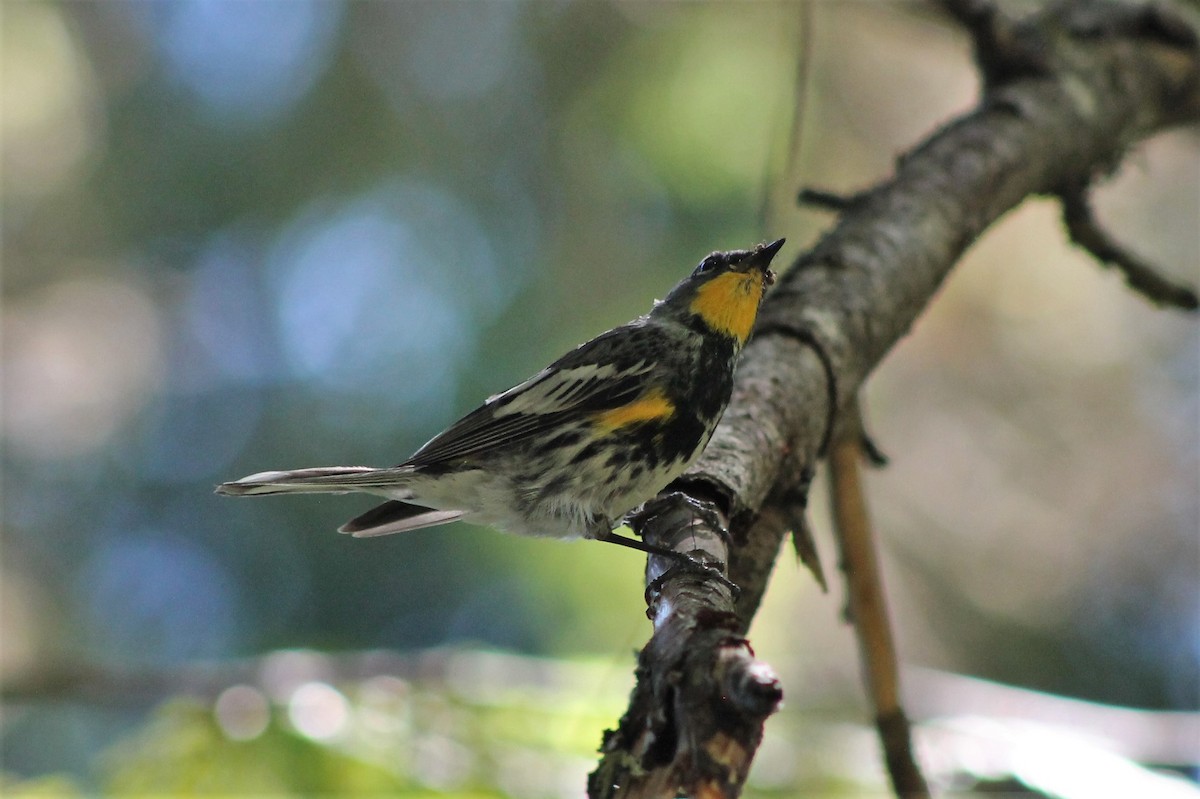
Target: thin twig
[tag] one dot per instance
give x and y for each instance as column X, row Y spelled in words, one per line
column 830, row 201
column 791, row 503
column 867, row 607
column 774, row 211
column 1143, row 278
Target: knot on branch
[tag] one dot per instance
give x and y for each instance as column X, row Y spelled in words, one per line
column 695, row 720
column 752, row 686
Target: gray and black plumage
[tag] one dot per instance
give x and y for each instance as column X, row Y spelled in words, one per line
column 584, row 441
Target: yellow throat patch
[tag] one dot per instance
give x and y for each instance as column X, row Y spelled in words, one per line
column 729, row 303
column 650, row 406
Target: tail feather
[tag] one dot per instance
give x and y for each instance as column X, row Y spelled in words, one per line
column 323, row 480
column 396, row 517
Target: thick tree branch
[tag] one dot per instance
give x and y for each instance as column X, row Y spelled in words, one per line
column 1067, row 92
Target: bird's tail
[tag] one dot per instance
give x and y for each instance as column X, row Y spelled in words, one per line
column 322, row 480
column 397, row 517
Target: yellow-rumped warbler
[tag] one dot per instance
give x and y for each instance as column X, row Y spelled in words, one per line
column 584, row 441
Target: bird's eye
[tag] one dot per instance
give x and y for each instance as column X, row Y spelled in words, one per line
column 709, row 264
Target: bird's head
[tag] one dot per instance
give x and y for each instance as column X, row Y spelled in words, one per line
column 724, row 291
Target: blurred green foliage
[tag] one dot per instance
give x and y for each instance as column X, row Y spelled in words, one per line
column 530, row 729
column 183, row 752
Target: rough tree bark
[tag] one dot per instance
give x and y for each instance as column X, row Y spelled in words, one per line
column 1067, row 92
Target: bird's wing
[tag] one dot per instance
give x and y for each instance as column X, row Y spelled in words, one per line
column 607, row 372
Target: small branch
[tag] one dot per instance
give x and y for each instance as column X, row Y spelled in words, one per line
column 978, row 17
column 867, row 607
column 1149, row 22
column 828, row 200
column 1005, row 51
column 871, row 450
column 1085, row 231
column 793, row 503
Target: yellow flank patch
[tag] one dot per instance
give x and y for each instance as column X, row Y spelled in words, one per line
column 647, row 408
column 729, row 303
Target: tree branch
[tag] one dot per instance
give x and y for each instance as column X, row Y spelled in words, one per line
column 1067, row 92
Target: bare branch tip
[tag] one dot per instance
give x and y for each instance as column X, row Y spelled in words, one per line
column 805, row 545
column 875, row 456
column 971, row 13
column 828, row 200
column 1155, row 21
column 1085, row 231
column 750, row 684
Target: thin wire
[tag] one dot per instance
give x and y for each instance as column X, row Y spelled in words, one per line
column 777, row 202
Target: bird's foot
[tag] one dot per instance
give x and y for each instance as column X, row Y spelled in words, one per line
column 682, row 562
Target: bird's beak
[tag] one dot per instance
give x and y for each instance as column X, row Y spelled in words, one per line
column 760, row 258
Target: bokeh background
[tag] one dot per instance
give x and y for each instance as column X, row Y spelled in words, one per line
column 250, row 235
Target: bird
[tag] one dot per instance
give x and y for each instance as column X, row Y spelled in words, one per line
column 571, row 451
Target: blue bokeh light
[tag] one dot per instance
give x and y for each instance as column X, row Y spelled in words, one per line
column 223, row 316
column 246, row 62
column 157, row 596
column 385, row 295
column 333, row 269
